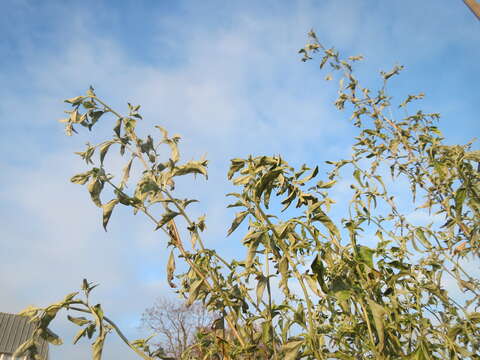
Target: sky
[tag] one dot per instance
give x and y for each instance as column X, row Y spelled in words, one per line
column 227, row 77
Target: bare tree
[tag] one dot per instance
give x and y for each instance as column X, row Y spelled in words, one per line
column 176, row 324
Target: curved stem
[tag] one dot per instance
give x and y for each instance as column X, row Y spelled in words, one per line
column 107, row 107
column 269, row 307
column 118, row 331
column 182, row 211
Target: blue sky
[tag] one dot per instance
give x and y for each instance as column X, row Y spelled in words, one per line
column 226, row 76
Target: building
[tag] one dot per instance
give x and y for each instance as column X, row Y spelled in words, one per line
column 15, row 330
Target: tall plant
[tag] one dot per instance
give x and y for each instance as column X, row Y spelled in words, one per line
column 339, row 299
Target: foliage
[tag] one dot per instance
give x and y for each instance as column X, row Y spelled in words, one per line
column 339, row 298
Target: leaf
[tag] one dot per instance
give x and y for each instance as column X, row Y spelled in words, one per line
column 266, row 332
column 91, row 91
column 282, row 229
column 107, row 211
column 95, row 188
column 171, row 270
column 104, row 149
column 454, row 331
column 117, row 128
column 474, row 317
column 328, row 223
column 251, row 236
column 75, row 117
column 252, row 252
column 50, row 336
column 319, row 271
column 30, row 311
column 421, row 236
column 299, row 316
column 94, row 116
column 218, row 324
column 309, row 177
column 201, row 223
column 236, row 165
column 340, row 289
column 80, row 321
column 395, row 71
column 69, row 297
column 291, row 348
column 365, row 255
column 242, row 180
column 175, row 156
column 75, row 100
column 356, row 175
column 460, row 196
column 312, row 283
column 98, row 313
column 261, row 284
column 265, row 181
column 81, row 178
column 126, row 174
column 378, row 312
column 288, row 200
column 266, row 196
column 88, row 104
column 129, row 125
column 24, row 348
column 90, row 330
column 239, row 217
column 193, row 293
column 192, row 167
column 283, row 267
column 81, row 333
column 421, row 353
column 163, row 131
column 166, row 217
column 326, row 185
column 473, row 155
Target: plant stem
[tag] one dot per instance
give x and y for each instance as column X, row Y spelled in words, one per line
column 299, row 278
column 118, row 331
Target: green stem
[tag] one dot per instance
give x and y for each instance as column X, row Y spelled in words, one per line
column 182, row 211
column 118, row 331
column 272, row 329
column 299, row 278
column 369, row 327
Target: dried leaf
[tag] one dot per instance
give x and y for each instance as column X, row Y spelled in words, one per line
column 166, row 217
column 107, row 211
column 171, row 270
column 239, row 217
column 261, row 284
column 291, row 349
column 378, row 313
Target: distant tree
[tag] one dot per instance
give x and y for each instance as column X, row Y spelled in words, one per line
column 176, row 324
column 183, row 329
column 340, row 297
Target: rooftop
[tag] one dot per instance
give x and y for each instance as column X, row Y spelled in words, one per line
column 15, row 330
